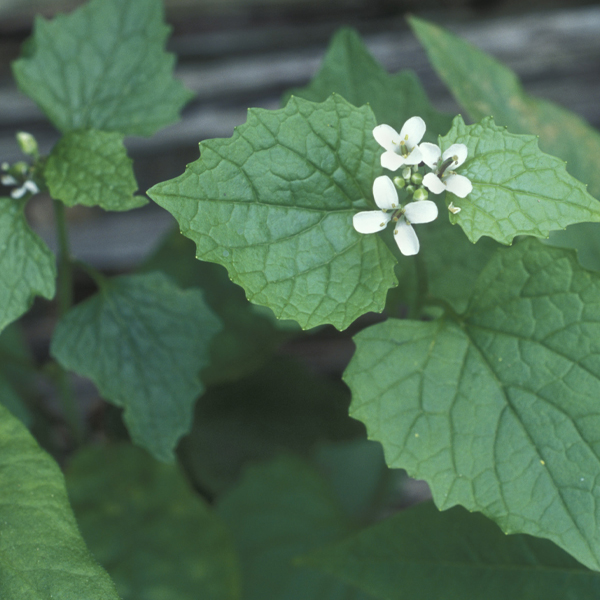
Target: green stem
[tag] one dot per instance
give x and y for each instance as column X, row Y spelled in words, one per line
column 422, row 288
column 448, row 309
column 65, row 268
column 98, row 278
column 65, row 301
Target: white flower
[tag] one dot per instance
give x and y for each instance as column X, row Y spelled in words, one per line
column 454, row 209
column 28, row 186
column 401, row 148
column 444, row 177
column 386, row 198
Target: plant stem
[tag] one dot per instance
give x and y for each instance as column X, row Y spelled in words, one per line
column 65, row 269
column 98, row 278
column 65, row 301
column 422, row 288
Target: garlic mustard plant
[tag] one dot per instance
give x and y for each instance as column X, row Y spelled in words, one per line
column 386, row 198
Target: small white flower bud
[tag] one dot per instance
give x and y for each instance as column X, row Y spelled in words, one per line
column 27, row 143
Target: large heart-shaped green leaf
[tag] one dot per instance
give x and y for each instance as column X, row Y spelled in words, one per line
column 42, row 554
column 142, row 341
column 156, row 538
column 350, row 70
column 92, row 168
column 427, row 554
column 103, row 67
column 517, row 189
column 499, row 409
column 274, row 205
column 27, row 267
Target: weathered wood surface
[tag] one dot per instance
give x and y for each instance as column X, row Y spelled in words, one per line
column 556, row 54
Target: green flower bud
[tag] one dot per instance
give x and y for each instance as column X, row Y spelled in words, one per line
column 415, row 169
column 399, row 182
column 417, row 178
column 406, row 173
column 421, row 194
column 20, row 168
column 410, row 189
column 27, row 144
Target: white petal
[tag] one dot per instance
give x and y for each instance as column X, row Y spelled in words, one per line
column 8, row 180
column 406, row 238
column 430, row 154
column 433, row 183
column 18, row 192
column 413, row 131
column 384, row 193
column 31, row 187
column 370, row 221
column 387, row 137
column 392, row 161
column 422, row 211
column 459, row 185
column 414, row 158
column 458, row 150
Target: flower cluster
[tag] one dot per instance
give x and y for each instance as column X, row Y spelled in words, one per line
column 21, row 174
column 18, row 175
column 405, row 150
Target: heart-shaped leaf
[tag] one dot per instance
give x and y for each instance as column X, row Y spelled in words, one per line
column 142, row 341
column 499, row 409
column 103, row 66
column 274, row 205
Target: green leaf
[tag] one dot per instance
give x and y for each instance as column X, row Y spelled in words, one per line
column 517, row 189
column 280, row 407
column 498, row 411
column 248, row 339
column 42, row 554
column 426, row 554
column 156, row 538
column 27, row 266
column 485, row 88
column 274, row 205
column 350, row 70
column 17, row 373
column 103, row 67
column 92, row 168
column 142, row 341
column 278, row 512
